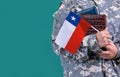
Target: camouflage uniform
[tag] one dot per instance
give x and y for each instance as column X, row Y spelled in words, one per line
column 86, row 62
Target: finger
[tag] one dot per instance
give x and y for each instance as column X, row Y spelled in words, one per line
column 109, row 46
column 104, row 53
column 104, row 57
column 106, row 41
column 105, row 33
column 106, row 36
column 107, row 57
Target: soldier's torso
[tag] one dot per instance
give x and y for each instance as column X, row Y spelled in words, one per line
column 93, row 68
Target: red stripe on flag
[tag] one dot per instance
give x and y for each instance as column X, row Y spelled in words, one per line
column 77, row 36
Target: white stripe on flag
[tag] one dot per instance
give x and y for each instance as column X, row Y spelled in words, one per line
column 64, row 34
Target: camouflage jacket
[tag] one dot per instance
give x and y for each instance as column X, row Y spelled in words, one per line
column 86, row 62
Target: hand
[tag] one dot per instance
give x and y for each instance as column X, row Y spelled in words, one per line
column 110, row 53
column 102, row 38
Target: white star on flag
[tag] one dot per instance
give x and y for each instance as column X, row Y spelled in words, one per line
column 73, row 18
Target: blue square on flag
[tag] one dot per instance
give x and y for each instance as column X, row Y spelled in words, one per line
column 73, row 18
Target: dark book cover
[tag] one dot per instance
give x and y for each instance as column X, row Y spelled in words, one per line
column 91, row 11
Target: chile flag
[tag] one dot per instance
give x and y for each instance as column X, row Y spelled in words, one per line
column 72, row 33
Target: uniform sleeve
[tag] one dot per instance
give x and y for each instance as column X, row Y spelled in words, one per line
column 117, row 41
column 59, row 17
column 118, row 47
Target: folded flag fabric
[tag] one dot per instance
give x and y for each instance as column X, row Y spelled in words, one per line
column 72, row 33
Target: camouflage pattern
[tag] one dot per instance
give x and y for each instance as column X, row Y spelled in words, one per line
column 86, row 62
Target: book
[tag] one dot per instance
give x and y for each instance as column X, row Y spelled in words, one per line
column 91, row 10
column 97, row 21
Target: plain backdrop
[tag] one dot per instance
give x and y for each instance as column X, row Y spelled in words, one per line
column 25, row 39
